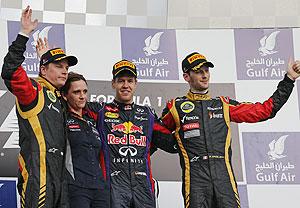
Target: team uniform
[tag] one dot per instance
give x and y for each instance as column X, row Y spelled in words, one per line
column 128, row 132
column 42, row 135
column 202, row 131
column 85, row 163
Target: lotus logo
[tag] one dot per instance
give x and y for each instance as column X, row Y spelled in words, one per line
column 267, row 44
column 152, row 44
column 277, row 148
column 40, row 34
column 124, row 151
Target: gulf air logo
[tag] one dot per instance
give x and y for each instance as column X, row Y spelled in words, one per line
column 152, row 44
column 277, row 148
column 267, row 44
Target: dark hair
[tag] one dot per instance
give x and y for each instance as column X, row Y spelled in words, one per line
column 46, row 66
column 40, row 73
column 72, row 77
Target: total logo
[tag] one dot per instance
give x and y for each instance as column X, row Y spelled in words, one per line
column 190, row 126
column 127, row 128
column 132, row 140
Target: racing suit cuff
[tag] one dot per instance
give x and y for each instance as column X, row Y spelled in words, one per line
column 287, row 79
column 22, row 39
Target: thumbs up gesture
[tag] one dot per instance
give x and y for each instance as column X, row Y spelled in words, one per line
column 293, row 71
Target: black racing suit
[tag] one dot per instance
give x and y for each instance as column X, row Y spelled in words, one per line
column 128, row 132
column 85, row 162
column 41, row 133
column 202, row 131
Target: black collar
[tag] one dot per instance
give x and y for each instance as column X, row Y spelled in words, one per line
column 123, row 106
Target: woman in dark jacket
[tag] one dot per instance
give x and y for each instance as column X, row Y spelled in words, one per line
column 84, row 159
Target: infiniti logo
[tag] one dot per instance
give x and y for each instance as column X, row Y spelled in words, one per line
column 124, row 151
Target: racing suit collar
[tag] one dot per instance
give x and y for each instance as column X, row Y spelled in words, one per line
column 123, row 106
column 45, row 83
column 197, row 96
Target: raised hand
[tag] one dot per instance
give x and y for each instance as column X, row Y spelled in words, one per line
column 293, row 71
column 27, row 25
column 42, row 46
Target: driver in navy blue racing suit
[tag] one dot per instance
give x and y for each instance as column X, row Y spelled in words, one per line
column 129, row 131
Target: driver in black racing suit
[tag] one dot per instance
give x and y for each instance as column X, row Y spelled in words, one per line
column 202, row 131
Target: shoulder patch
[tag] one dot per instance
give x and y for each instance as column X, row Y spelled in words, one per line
column 180, row 98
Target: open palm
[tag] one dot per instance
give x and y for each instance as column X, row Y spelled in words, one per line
column 27, row 25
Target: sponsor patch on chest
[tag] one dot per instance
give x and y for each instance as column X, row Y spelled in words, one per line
column 187, row 106
column 190, row 126
column 213, row 115
column 74, row 127
column 191, row 133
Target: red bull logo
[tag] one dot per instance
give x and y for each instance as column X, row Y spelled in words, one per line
column 132, row 140
column 138, row 142
column 135, row 129
column 119, row 127
column 112, row 139
column 127, row 128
